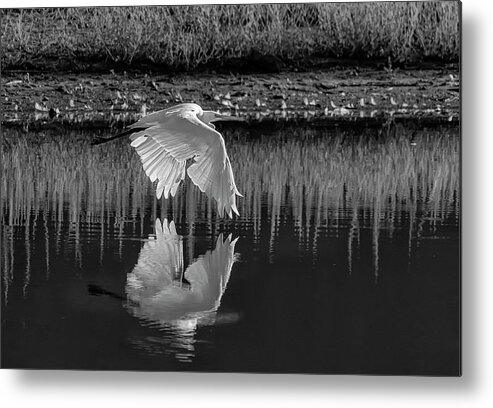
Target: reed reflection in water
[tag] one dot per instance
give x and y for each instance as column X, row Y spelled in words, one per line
column 309, row 180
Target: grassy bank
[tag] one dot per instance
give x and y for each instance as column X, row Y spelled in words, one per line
column 185, row 37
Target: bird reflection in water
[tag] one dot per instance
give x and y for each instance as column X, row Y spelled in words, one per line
column 162, row 294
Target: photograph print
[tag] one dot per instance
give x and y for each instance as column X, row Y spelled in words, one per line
column 260, row 188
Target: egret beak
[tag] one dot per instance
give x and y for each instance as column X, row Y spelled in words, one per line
column 221, row 116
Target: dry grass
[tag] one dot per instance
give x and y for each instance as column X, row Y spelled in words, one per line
column 345, row 174
column 186, row 37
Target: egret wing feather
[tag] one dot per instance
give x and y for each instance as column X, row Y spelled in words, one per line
column 184, row 136
column 214, row 177
column 159, row 164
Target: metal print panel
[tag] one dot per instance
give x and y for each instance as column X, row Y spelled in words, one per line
column 268, row 188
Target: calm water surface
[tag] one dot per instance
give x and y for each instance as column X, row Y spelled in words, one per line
column 345, row 258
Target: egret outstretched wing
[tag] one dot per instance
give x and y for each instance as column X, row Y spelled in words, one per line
column 169, row 138
column 159, row 164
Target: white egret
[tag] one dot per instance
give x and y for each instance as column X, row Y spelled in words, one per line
column 166, row 139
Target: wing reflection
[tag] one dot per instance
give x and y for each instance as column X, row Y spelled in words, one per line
column 160, row 292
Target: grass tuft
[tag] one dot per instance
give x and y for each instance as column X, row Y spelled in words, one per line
column 186, row 37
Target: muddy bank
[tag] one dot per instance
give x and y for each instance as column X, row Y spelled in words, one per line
column 349, row 94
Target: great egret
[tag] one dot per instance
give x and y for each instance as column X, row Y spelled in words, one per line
column 155, row 290
column 166, row 139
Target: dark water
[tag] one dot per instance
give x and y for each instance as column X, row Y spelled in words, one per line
column 345, row 259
